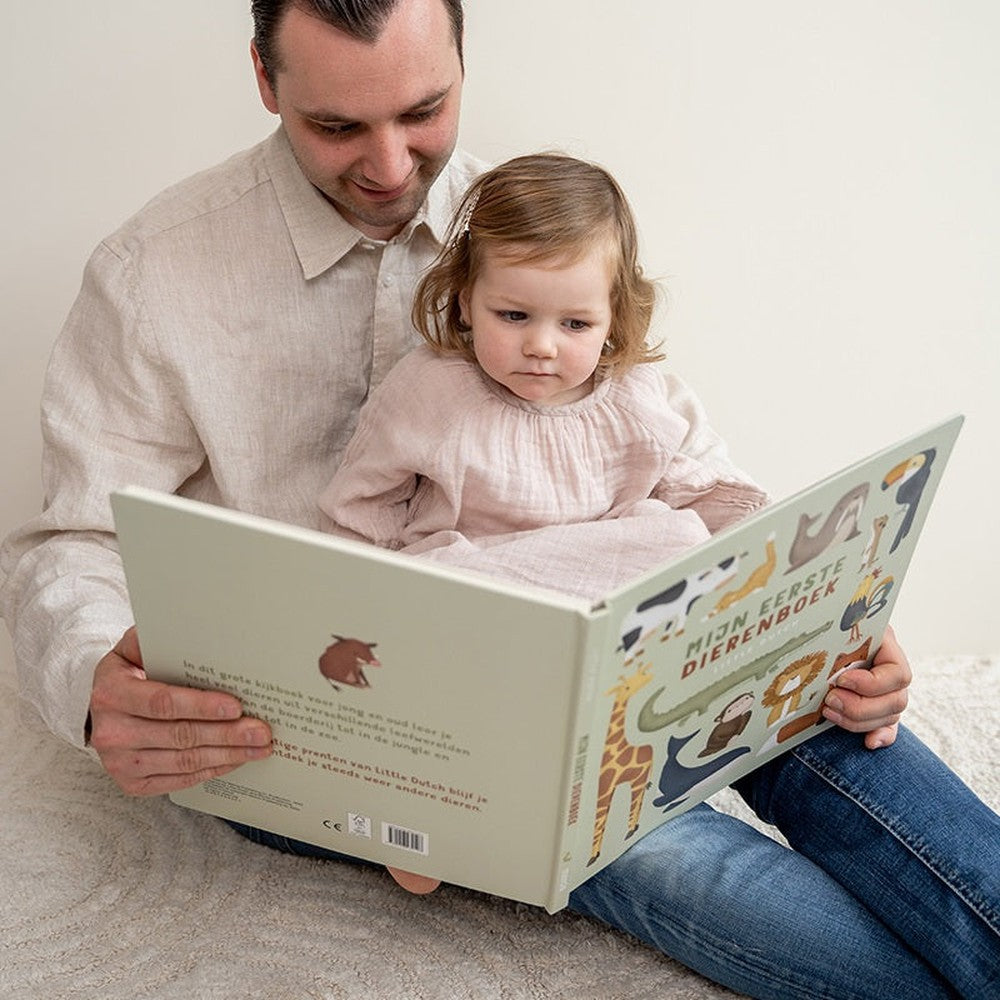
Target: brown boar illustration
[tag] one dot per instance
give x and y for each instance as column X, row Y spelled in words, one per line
column 344, row 660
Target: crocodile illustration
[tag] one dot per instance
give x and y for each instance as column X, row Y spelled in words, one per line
column 650, row 720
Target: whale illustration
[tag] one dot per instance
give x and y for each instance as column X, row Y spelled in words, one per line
column 677, row 781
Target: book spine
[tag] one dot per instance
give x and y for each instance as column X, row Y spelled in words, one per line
column 572, row 838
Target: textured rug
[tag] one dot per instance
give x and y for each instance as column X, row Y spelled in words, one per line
column 107, row 897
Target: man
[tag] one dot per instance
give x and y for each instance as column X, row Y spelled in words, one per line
column 221, row 345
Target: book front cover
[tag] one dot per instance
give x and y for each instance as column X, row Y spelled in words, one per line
column 723, row 660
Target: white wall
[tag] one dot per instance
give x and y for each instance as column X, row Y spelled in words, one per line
column 817, row 182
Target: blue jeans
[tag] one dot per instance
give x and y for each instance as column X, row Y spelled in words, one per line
column 892, row 886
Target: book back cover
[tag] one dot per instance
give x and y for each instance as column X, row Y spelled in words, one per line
column 419, row 719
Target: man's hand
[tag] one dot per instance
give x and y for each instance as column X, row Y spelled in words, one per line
column 154, row 738
column 871, row 701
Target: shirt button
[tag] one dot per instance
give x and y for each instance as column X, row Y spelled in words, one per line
column 388, row 281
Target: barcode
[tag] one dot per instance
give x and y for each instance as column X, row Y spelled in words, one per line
column 408, row 840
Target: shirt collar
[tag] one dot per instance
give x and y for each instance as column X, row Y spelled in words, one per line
column 320, row 235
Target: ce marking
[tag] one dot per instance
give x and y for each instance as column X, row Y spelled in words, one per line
column 330, row 825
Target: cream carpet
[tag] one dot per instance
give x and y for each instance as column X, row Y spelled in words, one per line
column 107, row 897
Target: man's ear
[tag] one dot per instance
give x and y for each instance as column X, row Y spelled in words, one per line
column 263, row 83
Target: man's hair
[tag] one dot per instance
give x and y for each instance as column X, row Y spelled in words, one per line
column 550, row 210
column 361, row 19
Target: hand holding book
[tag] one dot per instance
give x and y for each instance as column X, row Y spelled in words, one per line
column 153, row 737
column 871, row 701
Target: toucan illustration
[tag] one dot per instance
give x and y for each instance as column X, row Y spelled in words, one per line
column 912, row 476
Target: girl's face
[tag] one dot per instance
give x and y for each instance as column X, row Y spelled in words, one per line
column 538, row 329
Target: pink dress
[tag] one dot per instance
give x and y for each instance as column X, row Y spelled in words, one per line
column 581, row 498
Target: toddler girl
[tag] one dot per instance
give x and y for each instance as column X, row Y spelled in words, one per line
column 531, row 437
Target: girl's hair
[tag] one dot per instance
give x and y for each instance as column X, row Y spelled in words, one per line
column 542, row 209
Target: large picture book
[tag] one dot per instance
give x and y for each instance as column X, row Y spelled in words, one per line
column 507, row 739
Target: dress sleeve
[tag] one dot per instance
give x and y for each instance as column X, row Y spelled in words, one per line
column 109, row 418
column 718, row 500
column 701, row 442
column 701, row 476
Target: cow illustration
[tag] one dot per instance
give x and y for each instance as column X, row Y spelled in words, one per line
column 344, row 660
column 669, row 608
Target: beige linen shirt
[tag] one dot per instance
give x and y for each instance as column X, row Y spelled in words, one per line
column 221, row 346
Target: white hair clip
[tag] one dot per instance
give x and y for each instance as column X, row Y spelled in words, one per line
column 462, row 229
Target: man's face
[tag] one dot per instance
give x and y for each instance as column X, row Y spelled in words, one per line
column 371, row 125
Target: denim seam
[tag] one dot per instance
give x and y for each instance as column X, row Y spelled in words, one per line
column 966, row 893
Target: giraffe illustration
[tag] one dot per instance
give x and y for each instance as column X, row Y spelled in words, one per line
column 622, row 763
column 871, row 549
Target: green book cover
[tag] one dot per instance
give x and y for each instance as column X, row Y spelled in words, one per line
column 509, row 739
